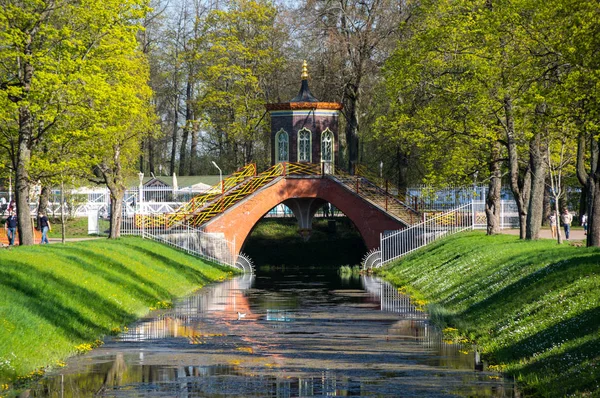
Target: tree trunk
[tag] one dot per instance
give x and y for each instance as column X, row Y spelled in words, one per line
column 151, row 156
column 593, row 236
column 186, row 128
column 194, row 151
column 63, row 230
column 537, row 165
column 402, row 164
column 24, row 223
column 547, row 203
column 113, row 177
column 174, row 137
column 593, row 191
column 350, row 106
column 492, row 200
column 557, row 213
column 589, row 182
column 44, row 200
column 513, row 164
column 116, row 205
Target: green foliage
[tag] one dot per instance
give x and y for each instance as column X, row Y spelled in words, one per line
column 56, row 298
column 236, row 59
column 533, row 307
column 458, row 63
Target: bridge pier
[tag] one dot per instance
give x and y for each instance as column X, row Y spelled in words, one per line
column 304, row 209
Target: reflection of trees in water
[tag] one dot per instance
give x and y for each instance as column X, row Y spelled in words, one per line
column 128, row 375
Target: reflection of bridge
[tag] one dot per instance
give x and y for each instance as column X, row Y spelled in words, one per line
column 226, row 298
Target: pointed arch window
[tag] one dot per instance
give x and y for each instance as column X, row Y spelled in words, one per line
column 304, row 145
column 327, row 146
column 282, row 146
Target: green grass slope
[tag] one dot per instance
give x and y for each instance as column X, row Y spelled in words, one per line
column 533, row 307
column 56, row 300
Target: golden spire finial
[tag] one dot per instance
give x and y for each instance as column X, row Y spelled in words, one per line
column 304, row 70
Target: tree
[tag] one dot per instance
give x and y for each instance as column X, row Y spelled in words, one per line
column 353, row 40
column 52, row 53
column 235, row 60
column 437, row 103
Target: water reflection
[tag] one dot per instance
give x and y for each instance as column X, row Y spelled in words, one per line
column 302, row 336
column 179, row 322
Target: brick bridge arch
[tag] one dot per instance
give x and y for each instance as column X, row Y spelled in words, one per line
column 237, row 222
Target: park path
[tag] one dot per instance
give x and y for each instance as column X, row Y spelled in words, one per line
column 576, row 234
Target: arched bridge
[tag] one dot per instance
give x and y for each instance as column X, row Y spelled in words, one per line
column 233, row 207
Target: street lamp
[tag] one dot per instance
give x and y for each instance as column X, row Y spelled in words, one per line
column 220, row 175
column 141, row 190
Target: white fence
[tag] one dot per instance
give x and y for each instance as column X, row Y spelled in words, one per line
column 80, row 202
column 211, row 246
column 509, row 214
column 396, row 244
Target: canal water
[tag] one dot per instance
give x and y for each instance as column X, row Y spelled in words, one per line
column 305, row 333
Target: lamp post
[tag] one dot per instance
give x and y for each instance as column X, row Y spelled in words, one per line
column 220, row 175
column 141, row 190
column 140, row 200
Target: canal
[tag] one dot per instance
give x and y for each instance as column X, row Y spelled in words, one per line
column 302, row 333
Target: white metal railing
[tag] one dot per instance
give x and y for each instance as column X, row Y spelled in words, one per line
column 80, row 202
column 210, row 246
column 396, row 244
column 509, row 214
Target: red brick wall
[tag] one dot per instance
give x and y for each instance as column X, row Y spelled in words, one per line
column 239, row 220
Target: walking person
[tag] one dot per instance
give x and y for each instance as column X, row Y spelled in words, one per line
column 44, row 226
column 567, row 219
column 11, row 228
column 552, row 220
column 584, row 223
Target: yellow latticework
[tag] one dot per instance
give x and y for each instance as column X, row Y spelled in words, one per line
column 191, row 207
column 221, row 197
column 300, row 169
column 363, row 171
column 214, row 192
column 370, row 191
column 224, row 202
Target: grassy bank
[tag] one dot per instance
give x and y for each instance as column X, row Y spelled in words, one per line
column 533, row 307
column 57, row 300
column 276, row 242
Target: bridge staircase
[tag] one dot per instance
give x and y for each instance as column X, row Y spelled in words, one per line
column 207, row 200
column 380, row 196
column 245, row 181
column 245, row 188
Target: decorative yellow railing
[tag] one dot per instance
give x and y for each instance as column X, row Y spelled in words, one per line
column 245, row 182
column 222, row 196
column 197, row 202
column 371, row 192
column 226, row 201
column 363, row 171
